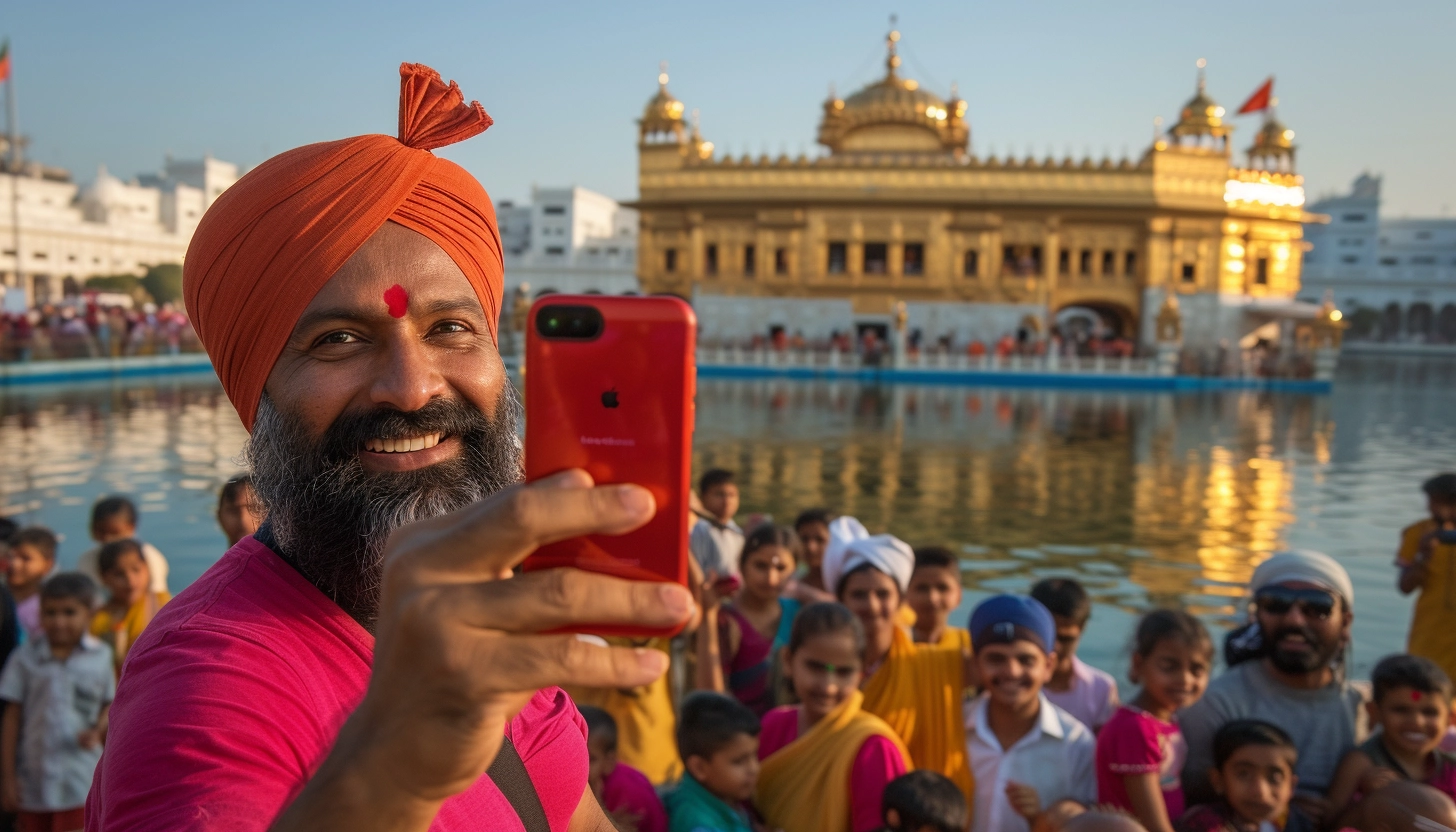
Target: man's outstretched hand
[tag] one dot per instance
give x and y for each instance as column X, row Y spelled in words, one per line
column 460, row 649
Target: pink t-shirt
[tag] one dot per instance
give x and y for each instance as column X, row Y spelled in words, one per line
column 627, row 791
column 235, row 692
column 877, row 763
column 1136, row 742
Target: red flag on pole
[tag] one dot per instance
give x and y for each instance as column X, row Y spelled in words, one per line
column 1260, row 99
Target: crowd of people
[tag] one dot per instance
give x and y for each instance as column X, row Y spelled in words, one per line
column 83, row 327
column 832, row 692
column 64, row 639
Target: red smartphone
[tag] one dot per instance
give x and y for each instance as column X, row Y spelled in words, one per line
column 609, row 388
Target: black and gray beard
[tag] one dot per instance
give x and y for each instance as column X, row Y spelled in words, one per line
column 332, row 518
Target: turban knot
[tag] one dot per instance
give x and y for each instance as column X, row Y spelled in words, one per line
column 271, row 241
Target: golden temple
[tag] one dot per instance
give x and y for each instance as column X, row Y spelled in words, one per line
column 901, row 209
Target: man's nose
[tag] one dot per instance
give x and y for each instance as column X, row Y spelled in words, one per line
column 408, row 379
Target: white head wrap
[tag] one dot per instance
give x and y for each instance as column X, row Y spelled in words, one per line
column 851, row 546
column 1305, row 566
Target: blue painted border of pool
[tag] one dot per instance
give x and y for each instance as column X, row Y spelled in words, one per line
column 51, row 372
column 1073, row 381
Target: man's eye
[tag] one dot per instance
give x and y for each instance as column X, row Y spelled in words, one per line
column 450, row 328
column 338, row 338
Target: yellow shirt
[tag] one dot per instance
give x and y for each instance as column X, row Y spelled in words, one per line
column 1433, row 624
column 646, row 720
column 121, row 633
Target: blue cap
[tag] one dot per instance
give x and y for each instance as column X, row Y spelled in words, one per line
column 1002, row 619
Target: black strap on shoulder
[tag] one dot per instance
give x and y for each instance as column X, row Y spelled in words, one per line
column 509, row 774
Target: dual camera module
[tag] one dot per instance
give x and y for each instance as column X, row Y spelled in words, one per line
column 572, row 323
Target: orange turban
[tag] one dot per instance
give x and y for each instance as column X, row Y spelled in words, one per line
column 271, row 241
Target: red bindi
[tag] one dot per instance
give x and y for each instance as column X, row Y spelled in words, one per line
column 397, row 299
column 1415, row 696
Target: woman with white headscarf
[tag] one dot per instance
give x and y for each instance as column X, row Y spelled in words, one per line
column 915, row 688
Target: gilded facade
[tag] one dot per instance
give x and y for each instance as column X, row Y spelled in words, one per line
column 901, row 209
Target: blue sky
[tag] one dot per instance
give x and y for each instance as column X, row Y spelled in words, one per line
column 1366, row 86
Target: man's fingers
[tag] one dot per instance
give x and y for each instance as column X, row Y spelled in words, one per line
column 554, row 598
column 525, row 663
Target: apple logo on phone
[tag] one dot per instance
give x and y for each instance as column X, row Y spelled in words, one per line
column 609, row 398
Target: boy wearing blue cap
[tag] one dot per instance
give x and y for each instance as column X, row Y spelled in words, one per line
column 1026, row 753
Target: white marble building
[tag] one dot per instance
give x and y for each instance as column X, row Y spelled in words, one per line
column 69, row 233
column 1395, row 279
column 569, row 240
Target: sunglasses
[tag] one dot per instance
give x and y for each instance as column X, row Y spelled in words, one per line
column 1279, row 600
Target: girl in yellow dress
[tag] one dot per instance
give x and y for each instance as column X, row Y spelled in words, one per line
column 132, row 604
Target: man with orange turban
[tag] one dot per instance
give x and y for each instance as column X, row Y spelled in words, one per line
column 366, row 661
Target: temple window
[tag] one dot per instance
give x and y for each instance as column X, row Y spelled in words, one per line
column 914, row 259
column 750, row 267
column 1261, row 271
column 670, row 260
column 1084, row 262
column 1064, row 261
column 1190, row 273
column 781, row 261
column 876, row 258
column 1129, row 264
column 838, row 258
column 1109, row 263
column 972, row 263
column 710, row 259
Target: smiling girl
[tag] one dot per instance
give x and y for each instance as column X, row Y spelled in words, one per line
column 1140, row 751
column 828, row 746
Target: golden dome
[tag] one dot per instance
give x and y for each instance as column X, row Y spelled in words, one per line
column 1201, row 116
column 663, row 114
column 1273, row 147
column 894, row 114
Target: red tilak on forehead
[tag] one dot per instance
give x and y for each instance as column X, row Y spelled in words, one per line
column 1415, row 696
column 397, row 299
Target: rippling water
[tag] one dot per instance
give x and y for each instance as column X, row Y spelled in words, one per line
column 1149, row 499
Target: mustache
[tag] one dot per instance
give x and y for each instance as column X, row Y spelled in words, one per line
column 345, row 438
column 1306, row 633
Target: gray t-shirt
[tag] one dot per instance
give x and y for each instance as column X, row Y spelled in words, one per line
column 1324, row 724
column 716, row 547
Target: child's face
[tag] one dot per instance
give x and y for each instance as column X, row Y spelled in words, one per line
column 731, row 773
column 766, row 570
column 874, row 598
column 935, row 591
column 28, row 566
column 64, row 620
column 721, row 500
column 1175, row 674
column 1257, row 781
column 239, row 517
column 825, row 670
column 603, row 762
column 128, row 579
column 1013, row 674
column 1413, row 721
column 1069, row 636
column 1442, row 510
column 115, row 527
column 815, row 537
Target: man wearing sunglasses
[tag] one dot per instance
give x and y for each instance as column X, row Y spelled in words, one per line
column 1301, row 611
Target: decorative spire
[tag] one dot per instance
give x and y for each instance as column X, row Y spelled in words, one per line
column 892, row 60
column 662, row 75
column 1202, row 81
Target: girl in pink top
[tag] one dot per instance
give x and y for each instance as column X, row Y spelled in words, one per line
column 807, row 749
column 1140, row 751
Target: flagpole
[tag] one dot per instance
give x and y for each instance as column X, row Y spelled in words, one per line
column 11, row 126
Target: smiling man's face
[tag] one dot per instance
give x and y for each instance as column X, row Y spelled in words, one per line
column 389, row 404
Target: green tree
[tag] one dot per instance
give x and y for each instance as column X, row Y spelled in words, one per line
column 123, row 284
column 164, row 282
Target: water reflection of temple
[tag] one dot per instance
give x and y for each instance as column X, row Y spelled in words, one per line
column 1156, row 498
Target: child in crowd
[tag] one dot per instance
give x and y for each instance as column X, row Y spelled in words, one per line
column 32, row 558
column 10, row 633
column 115, row 518
column 239, row 513
column 58, row 689
column 1026, row 753
column 1253, row 773
column 625, row 792
column 827, row 747
column 645, row 717
column 1140, row 752
column 738, row 642
column 1427, row 562
column 923, row 801
column 812, row 527
column 1412, row 706
column 1081, row 690
column 717, row 737
column 716, row 540
column 935, row 592
column 132, row 603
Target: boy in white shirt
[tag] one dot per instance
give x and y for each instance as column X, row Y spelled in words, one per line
column 1081, row 690
column 1027, row 754
column 716, row 541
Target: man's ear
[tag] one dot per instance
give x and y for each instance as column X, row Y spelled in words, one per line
column 697, row 766
column 1215, row 779
column 892, row 818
